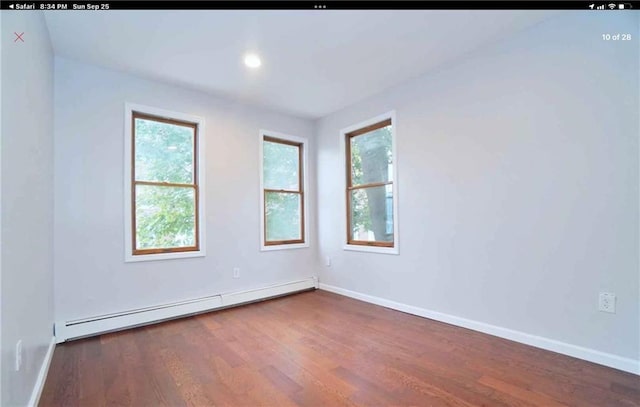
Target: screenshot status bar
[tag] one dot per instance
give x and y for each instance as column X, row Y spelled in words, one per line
column 320, row 5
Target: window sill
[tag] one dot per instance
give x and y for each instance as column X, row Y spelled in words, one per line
column 372, row 249
column 264, row 248
column 129, row 258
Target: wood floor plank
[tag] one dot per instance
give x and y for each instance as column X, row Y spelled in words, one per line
column 521, row 393
column 158, row 381
column 114, row 370
column 91, row 386
column 280, row 380
column 322, row 349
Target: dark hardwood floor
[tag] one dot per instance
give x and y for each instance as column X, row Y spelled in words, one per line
column 322, row 349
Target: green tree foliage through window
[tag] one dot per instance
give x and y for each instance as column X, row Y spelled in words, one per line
column 164, row 152
column 283, row 192
column 165, row 217
column 165, row 185
column 371, row 186
column 283, row 216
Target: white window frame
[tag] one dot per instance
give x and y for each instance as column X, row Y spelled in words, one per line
column 391, row 115
column 129, row 108
column 305, row 186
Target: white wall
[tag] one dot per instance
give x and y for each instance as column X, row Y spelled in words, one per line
column 27, row 201
column 91, row 277
column 518, row 186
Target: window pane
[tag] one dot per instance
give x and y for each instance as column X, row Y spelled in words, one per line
column 282, row 212
column 371, row 157
column 165, row 217
column 372, row 214
column 281, row 166
column 164, row 152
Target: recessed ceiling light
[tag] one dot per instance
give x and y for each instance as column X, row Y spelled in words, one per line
column 252, row 60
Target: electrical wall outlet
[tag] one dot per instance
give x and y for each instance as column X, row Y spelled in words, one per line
column 18, row 355
column 236, row 272
column 607, row 302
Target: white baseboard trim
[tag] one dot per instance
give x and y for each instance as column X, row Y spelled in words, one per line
column 42, row 375
column 80, row 328
column 591, row 355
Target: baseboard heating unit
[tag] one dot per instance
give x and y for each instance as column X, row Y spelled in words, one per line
column 80, row 328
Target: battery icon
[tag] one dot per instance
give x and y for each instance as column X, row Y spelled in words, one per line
column 622, row 6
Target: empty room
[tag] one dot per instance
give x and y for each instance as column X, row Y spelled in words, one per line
column 320, row 204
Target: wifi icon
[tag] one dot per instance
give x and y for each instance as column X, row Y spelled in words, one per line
column 611, row 6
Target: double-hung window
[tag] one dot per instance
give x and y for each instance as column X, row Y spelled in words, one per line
column 282, row 191
column 164, row 205
column 370, row 186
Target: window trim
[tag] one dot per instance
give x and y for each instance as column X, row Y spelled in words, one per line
column 346, row 134
column 132, row 255
column 303, row 190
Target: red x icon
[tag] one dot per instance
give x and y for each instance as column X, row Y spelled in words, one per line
column 19, row 37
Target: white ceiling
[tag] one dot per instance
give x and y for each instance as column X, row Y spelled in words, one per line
column 314, row 62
